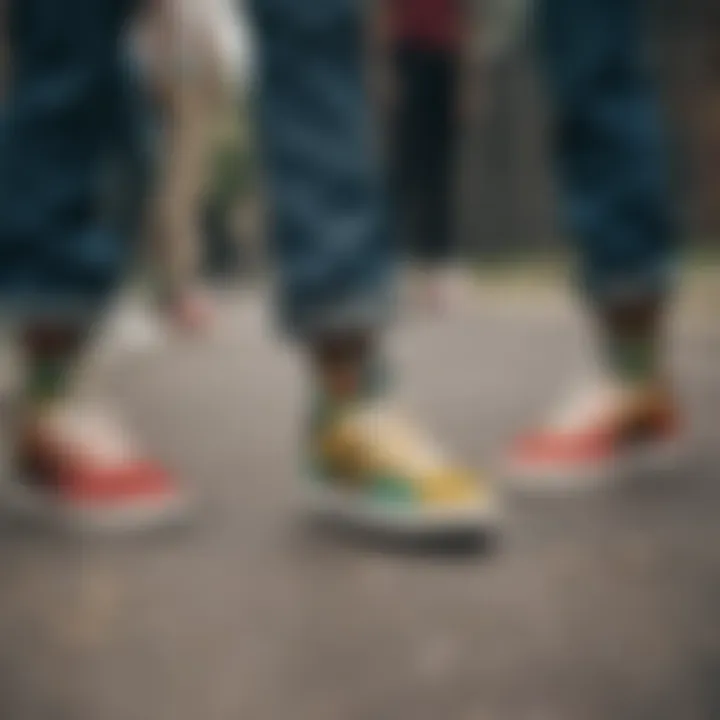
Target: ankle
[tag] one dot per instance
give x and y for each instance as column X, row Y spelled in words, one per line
column 633, row 344
column 51, row 358
column 633, row 361
column 344, row 366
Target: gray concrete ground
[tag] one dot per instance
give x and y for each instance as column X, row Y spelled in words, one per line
column 599, row 607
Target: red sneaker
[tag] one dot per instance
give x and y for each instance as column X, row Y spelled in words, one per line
column 606, row 433
column 79, row 471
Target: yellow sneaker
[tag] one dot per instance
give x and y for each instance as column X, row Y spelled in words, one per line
column 372, row 469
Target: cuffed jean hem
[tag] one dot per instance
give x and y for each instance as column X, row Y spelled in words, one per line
column 652, row 282
column 370, row 311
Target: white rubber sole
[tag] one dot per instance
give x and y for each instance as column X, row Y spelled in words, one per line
column 657, row 458
column 323, row 502
column 21, row 500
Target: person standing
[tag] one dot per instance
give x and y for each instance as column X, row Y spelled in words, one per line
column 613, row 166
column 429, row 45
column 191, row 56
column 60, row 262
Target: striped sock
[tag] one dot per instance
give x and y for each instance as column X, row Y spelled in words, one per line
column 633, row 359
column 51, row 359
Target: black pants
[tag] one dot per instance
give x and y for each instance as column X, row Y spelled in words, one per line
column 422, row 152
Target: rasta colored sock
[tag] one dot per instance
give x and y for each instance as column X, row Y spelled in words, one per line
column 49, row 378
column 633, row 359
column 632, row 336
column 346, row 383
column 333, row 400
column 347, row 370
column 51, row 358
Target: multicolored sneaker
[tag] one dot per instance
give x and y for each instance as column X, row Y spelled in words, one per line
column 607, row 432
column 374, row 471
column 77, row 470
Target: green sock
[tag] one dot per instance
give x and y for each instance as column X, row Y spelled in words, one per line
column 51, row 359
column 49, row 378
column 373, row 381
column 632, row 358
column 633, row 335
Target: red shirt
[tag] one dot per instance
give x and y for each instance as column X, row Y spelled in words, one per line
column 435, row 24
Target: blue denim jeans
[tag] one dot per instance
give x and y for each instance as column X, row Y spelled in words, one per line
column 610, row 149
column 134, row 163
column 61, row 254
column 328, row 220
column 67, row 117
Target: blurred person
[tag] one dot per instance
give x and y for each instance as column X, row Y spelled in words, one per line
column 430, row 46
column 191, row 54
column 182, row 76
column 612, row 162
column 60, row 263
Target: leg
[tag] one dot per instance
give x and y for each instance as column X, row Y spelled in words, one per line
column 410, row 145
column 199, row 90
column 58, row 258
column 190, row 119
column 611, row 154
column 335, row 259
column 328, row 225
column 614, row 179
column 437, row 120
column 407, row 149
